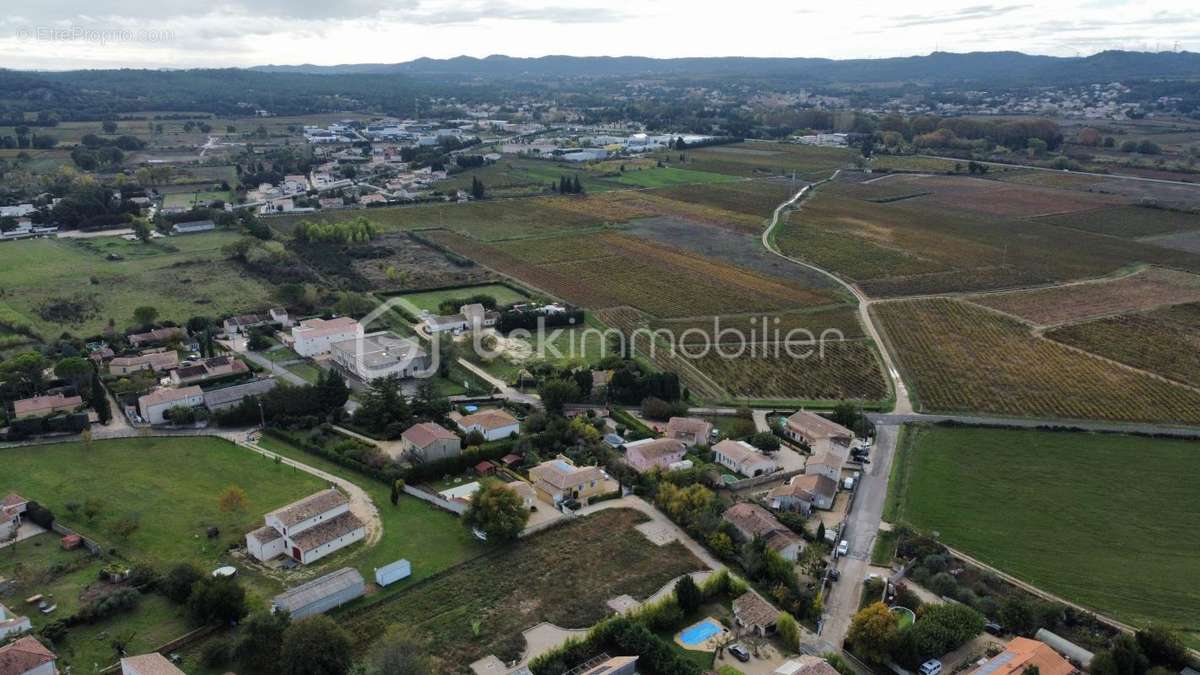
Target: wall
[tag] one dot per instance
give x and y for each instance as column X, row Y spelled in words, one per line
column 457, row 508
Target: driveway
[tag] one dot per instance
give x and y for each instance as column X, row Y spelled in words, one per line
column 270, row 366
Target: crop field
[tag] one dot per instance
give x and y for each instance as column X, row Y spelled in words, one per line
column 963, row 358
column 1042, row 507
column 1148, row 288
column 762, row 159
column 751, row 197
column 996, row 198
column 634, row 272
column 670, row 176
column 1053, row 179
column 915, row 164
column 827, row 370
column 1129, row 221
column 762, row 328
column 63, row 284
column 1165, row 342
column 552, row 586
column 628, row 321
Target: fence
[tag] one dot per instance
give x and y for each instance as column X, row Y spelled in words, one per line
column 457, row 508
column 91, row 546
column 178, row 643
column 762, row 480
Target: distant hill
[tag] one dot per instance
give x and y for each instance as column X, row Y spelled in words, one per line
column 991, row 67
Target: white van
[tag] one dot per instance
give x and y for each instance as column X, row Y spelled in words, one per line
column 931, row 667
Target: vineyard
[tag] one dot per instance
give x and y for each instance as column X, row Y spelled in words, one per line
column 754, row 198
column 1165, row 342
column 630, row 322
column 1129, row 221
column 761, row 328
column 833, row 371
column 762, row 159
column 962, row 358
column 1153, row 287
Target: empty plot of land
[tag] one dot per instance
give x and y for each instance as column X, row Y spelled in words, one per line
column 1129, row 221
column 1165, row 342
column 995, row 198
column 824, row 370
column 1184, row 241
column 765, row 159
column 962, row 358
column 1149, row 288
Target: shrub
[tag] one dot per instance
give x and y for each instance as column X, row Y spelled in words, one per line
column 216, row 653
column 688, row 594
column 116, row 602
column 177, row 584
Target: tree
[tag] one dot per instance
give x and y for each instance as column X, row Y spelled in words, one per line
column 233, row 499
column 498, row 511
column 261, row 636
column 142, row 230
column 76, row 370
column 1128, row 656
column 1162, row 647
column 332, row 391
column 145, row 315
column 217, row 600
column 100, row 401
column 688, row 594
column 399, row 653
column 109, row 126
column 556, row 393
column 397, row 490
column 315, row 646
column 788, row 630
column 765, row 441
column 1031, row 670
column 178, row 582
column 873, row 632
column 477, row 190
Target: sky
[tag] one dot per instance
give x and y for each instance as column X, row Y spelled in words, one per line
column 69, row 34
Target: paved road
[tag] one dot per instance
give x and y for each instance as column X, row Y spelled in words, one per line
column 862, row 524
column 506, row 391
column 273, row 368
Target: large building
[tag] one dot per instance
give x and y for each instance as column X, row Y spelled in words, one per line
column 317, row 336
column 1023, row 653
column 320, row 595
column 307, row 530
column 651, row 453
column 818, row 433
column 157, row 361
column 42, row 406
column 804, row 493
column 152, row 406
column 493, row 424
column 380, row 355
column 690, row 430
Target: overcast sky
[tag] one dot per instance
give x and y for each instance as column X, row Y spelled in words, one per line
column 63, row 34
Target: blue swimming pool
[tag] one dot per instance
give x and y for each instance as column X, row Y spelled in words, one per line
column 699, row 632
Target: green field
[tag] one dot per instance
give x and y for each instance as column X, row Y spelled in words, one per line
column 190, row 199
column 430, row 300
column 670, row 176
column 1106, row 521
column 181, row 276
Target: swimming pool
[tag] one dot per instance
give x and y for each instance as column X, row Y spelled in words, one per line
column 699, row 632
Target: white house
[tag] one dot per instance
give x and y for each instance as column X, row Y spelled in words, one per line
column 307, row 530
column 380, row 355
column 12, row 624
column 152, row 406
column 12, row 507
column 743, row 458
column 493, row 424
column 317, row 336
column 827, row 464
column 148, row 664
column 27, row 656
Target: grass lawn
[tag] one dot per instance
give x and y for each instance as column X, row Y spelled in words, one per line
column 669, row 176
column 306, row 371
column 563, row 575
column 280, row 355
column 1107, row 521
column 885, row 547
column 429, row 300
column 189, row 199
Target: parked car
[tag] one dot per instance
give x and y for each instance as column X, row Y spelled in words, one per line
column 843, row 548
column 740, row 653
column 994, row 628
column 834, row 574
column 931, row 667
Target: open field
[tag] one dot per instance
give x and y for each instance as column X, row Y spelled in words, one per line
column 670, row 176
column 831, row 371
column 180, row 276
column 514, row 588
column 1056, row 179
column 959, row 357
column 399, row 261
column 429, row 300
column 751, row 197
column 1129, row 221
column 1165, row 342
column 628, row 320
column 762, row 159
column 1042, row 507
column 1149, row 288
column 761, row 328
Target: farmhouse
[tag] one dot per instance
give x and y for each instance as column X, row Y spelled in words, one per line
column 317, row 336
column 12, row 507
column 428, row 442
column 804, row 493
column 653, row 453
column 157, row 336
column 743, row 458
column 493, row 424
column 148, row 664
column 559, row 479
column 235, row 325
column 321, row 594
column 27, row 656
column 152, row 406
column 157, row 361
column 754, row 614
column 469, row 317
column 1023, row 653
column 41, row 406
column 207, row 369
column 818, row 433
column 752, row 520
column 227, row 397
column 379, row 355
column 827, row 464
column 690, row 430
column 307, row 530
column 11, row 624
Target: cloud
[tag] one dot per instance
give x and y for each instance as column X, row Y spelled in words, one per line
column 965, row 14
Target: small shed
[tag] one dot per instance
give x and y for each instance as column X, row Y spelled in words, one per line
column 71, row 542
column 321, row 595
column 393, row 572
column 510, row 460
column 485, row 468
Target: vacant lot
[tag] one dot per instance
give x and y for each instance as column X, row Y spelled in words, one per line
column 963, row 358
column 1040, row 506
column 827, row 371
column 668, row 176
column 1129, row 221
column 762, row 159
column 399, row 261
column 429, row 300
column 1165, row 342
column 1147, row 289
column 564, row 576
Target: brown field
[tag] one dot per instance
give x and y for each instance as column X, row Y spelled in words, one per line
column 838, row 370
column 755, row 198
column 762, row 328
column 628, row 320
column 1165, row 342
column 1149, row 288
column 1052, row 179
column 961, row 358
column 403, row 263
column 1129, row 221
column 996, row 198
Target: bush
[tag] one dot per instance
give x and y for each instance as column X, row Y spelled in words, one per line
column 177, row 584
column 658, row 409
column 216, row 653
column 217, row 601
column 116, row 602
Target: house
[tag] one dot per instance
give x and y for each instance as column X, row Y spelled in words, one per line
column 607, row 665
column 27, row 656
column 157, row 336
column 690, row 430
column 307, row 530
column 653, row 453
column 321, row 594
column 525, row 491
column 752, row 520
column 743, row 458
column 558, row 480
column 379, row 355
column 152, row 406
column 42, row 406
column 469, row 317
column 440, row 324
column 493, row 424
column 428, row 442
column 806, row 664
column 331, row 202
column 1021, row 654
column 393, row 572
column 12, row 624
column 317, row 336
column 236, row 325
column 227, row 397
column 754, row 615
column 827, row 464
column 207, row 369
column 148, row 664
column 194, row 226
column 818, row 433
column 158, row 361
column 804, row 493
column 12, row 507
